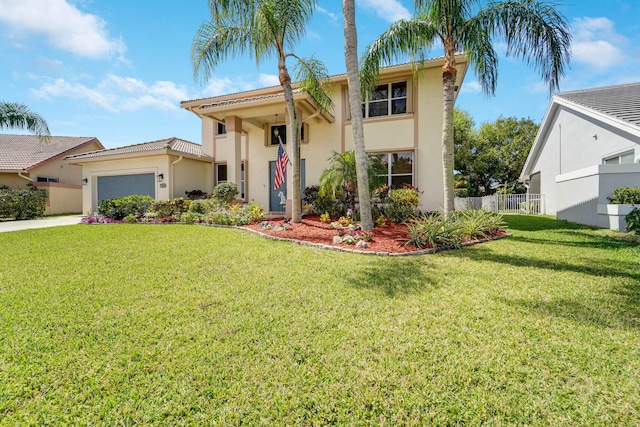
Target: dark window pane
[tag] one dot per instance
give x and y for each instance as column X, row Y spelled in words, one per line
column 222, row 128
column 222, row 173
column 364, row 111
column 380, row 92
column 42, row 179
column 378, row 109
column 398, row 106
column 399, row 90
column 278, row 131
column 398, row 180
column 402, row 163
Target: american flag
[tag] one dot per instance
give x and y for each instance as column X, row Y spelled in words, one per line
column 281, row 165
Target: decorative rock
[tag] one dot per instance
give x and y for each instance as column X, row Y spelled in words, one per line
column 361, row 244
column 337, row 240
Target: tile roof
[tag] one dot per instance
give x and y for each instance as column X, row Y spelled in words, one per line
column 24, row 152
column 175, row 145
column 238, row 101
column 621, row 102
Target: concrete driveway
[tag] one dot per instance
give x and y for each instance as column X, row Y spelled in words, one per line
column 55, row 221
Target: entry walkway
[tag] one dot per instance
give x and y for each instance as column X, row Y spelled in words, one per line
column 55, row 221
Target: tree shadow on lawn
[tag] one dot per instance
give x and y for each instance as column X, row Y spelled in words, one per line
column 396, row 276
column 541, row 222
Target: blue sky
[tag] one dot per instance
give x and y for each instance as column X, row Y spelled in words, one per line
column 118, row 69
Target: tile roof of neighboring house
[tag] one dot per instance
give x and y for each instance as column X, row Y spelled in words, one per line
column 25, row 152
column 621, row 102
column 173, row 145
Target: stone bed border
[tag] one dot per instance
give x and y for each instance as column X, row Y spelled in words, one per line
column 358, row 251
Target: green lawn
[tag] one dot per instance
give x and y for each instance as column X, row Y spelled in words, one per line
column 188, row 325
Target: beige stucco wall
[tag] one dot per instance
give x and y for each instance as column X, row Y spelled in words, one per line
column 189, row 174
column 13, row 181
column 63, row 198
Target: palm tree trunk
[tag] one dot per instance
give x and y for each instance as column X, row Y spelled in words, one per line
column 293, row 135
column 449, row 73
column 355, row 101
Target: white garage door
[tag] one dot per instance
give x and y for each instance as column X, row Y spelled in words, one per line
column 116, row 186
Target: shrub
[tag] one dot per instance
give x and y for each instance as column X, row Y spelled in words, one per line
column 169, row 208
column 195, row 195
column 633, row 221
column 26, row 203
column 201, row 206
column 130, row 219
column 625, row 195
column 117, row 209
column 256, row 212
column 225, row 192
column 192, row 217
column 401, row 204
column 477, row 223
column 434, row 231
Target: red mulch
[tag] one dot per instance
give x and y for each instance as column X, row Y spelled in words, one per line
column 385, row 239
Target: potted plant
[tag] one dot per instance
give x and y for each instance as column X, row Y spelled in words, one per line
column 622, row 202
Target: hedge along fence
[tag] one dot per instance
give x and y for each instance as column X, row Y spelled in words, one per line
column 25, row 203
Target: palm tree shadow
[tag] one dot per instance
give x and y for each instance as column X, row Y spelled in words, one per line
column 394, row 278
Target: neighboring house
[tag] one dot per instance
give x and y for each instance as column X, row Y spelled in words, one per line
column 402, row 122
column 162, row 169
column 587, row 146
column 27, row 159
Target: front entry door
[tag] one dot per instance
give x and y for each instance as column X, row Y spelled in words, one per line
column 278, row 198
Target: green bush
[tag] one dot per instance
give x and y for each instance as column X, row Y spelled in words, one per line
column 335, row 205
column 625, row 196
column 118, row 209
column 434, row 231
column 201, row 206
column 192, row 217
column 26, row 203
column 225, row 192
column 169, row 208
column 633, row 221
column 401, row 204
column 477, row 223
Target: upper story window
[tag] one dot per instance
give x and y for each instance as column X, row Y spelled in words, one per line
column 624, row 158
column 280, row 131
column 386, row 100
column 221, row 129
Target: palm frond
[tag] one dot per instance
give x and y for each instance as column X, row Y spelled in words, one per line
column 534, row 32
column 314, row 80
column 14, row 115
column 403, row 39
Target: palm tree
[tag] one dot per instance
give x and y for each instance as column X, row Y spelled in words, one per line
column 18, row 116
column 261, row 29
column 342, row 175
column 533, row 31
column 355, row 101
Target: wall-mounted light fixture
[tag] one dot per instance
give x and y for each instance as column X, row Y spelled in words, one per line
column 595, row 136
column 160, row 177
column 84, row 181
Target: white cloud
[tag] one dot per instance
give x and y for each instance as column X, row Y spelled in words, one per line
column 65, row 27
column 268, row 80
column 471, row 87
column 116, row 93
column 332, row 16
column 597, row 44
column 389, row 10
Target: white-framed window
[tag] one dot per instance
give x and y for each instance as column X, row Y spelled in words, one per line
column 386, row 100
column 623, row 158
column 399, row 168
column 47, row 179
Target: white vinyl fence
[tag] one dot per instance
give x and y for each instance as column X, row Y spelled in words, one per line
column 504, row 203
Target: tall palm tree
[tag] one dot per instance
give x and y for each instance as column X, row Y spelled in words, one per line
column 355, row 101
column 18, row 116
column 261, row 29
column 534, row 31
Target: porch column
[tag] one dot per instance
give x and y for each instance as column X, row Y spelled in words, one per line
column 234, row 136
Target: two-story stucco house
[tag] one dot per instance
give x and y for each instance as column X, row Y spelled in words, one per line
column 587, row 146
column 402, row 122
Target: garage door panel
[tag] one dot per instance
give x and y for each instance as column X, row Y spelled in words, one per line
column 116, row 186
